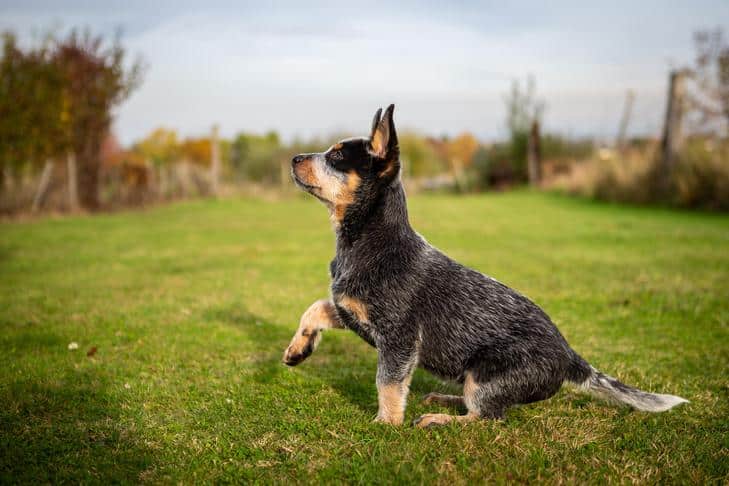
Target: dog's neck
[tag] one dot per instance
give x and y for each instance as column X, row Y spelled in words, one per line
column 382, row 222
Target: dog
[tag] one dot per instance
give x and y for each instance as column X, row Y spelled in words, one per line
column 419, row 308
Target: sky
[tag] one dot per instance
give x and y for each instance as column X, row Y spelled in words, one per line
column 309, row 68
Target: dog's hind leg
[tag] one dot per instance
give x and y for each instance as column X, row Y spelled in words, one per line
column 319, row 316
column 477, row 401
column 435, row 419
column 444, row 400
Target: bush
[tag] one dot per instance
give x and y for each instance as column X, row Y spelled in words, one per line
column 256, row 158
column 700, row 178
column 492, row 167
column 419, row 157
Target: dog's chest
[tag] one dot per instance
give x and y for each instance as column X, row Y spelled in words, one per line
column 350, row 299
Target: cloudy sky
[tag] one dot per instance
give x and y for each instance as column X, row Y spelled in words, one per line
column 307, row 68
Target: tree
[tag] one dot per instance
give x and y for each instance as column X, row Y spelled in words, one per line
column 461, row 149
column 711, row 73
column 256, row 157
column 34, row 115
column 419, row 157
column 522, row 110
column 459, row 152
column 197, row 151
column 161, row 147
column 95, row 80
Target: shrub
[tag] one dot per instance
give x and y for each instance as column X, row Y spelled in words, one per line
column 700, row 178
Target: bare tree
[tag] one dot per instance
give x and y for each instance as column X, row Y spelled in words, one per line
column 710, row 71
column 522, row 109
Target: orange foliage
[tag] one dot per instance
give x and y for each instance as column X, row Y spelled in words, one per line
column 160, row 147
column 460, row 150
column 197, row 150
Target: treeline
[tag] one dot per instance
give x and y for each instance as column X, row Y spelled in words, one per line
column 57, row 98
column 460, row 163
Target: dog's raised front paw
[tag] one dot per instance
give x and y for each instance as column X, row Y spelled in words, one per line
column 292, row 358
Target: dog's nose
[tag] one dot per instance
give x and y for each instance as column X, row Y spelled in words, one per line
column 297, row 159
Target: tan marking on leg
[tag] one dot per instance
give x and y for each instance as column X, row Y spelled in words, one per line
column 471, row 394
column 409, row 378
column 435, row 419
column 443, row 400
column 319, row 316
column 355, row 306
column 391, row 400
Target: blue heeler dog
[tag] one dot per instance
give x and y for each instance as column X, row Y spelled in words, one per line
column 418, row 307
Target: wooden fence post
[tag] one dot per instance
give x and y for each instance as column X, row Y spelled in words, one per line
column 215, row 161
column 621, row 142
column 73, row 203
column 672, row 138
column 43, row 185
column 534, row 155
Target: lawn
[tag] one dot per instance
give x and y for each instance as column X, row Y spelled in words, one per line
column 190, row 306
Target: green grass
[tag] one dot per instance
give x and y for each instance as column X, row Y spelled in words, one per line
column 191, row 306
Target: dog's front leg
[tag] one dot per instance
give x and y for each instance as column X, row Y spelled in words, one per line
column 319, row 316
column 394, row 373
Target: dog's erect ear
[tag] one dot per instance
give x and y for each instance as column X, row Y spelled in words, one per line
column 383, row 140
column 375, row 122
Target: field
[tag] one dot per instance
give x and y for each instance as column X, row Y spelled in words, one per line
column 189, row 308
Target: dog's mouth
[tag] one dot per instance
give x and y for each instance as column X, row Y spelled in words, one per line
column 303, row 184
column 313, row 190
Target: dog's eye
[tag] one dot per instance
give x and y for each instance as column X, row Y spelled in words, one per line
column 336, row 155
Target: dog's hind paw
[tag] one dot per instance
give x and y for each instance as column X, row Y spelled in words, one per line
column 436, row 419
column 432, row 420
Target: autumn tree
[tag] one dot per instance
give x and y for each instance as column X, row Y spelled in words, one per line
column 95, row 80
column 459, row 152
column 161, row 147
column 461, row 149
column 34, row 116
column 197, row 151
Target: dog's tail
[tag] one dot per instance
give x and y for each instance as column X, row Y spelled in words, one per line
column 607, row 387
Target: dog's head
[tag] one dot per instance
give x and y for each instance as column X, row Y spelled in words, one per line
column 352, row 171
